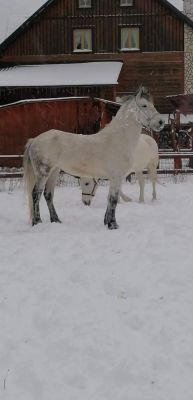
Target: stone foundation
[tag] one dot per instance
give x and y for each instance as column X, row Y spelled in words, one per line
column 188, row 49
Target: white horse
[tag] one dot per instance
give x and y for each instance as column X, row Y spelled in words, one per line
column 146, row 156
column 107, row 154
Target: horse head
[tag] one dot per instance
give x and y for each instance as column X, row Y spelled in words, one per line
column 146, row 112
column 142, row 107
column 88, row 187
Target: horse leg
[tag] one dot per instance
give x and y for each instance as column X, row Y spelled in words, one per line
column 49, row 194
column 141, row 180
column 36, row 195
column 113, row 197
column 152, row 171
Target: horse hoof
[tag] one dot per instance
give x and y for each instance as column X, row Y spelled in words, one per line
column 113, row 225
column 36, row 222
column 87, row 203
column 57, row 220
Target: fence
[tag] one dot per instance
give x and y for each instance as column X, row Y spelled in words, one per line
column 175, row 165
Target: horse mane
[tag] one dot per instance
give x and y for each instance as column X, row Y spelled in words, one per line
column 127, row 98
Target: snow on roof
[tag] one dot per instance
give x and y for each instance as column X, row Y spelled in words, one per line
column 76, row 74
column 14, row 13
column 44, row 100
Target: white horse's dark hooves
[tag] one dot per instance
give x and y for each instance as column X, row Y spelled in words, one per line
column 57, row 220
column 36, row 221
column 113, row 225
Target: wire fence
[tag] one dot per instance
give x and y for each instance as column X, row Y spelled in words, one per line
column 174, row 167
column 13, row 183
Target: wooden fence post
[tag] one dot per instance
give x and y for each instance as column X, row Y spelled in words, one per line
column 177, row 160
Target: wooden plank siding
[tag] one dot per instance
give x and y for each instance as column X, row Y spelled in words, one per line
column 52, row 32
column 21, row 121
column 162, row 72
column 159, row 64
column 12, row 94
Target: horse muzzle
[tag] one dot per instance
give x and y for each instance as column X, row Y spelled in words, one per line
column 158, row 125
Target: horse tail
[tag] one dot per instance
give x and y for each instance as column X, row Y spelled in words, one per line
column 124, row 197
column 29, row 176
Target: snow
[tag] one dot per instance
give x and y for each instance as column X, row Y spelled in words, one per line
column 45, row 99
column 177, row 3
column 88, row 313
column 184, row 118
column 90, row 73
column 15, row 13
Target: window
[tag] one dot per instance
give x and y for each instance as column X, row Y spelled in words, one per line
column 84, row 3
column 129, row 39
column 126, row 2
column 82, row 40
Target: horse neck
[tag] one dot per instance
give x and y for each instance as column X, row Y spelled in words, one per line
column 128, row 111
column 127, row 119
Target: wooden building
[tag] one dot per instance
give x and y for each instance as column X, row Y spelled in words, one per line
column 28, row 118
column 146, row 35
column 95, row 79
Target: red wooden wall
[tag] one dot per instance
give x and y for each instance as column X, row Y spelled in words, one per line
column 24, row 120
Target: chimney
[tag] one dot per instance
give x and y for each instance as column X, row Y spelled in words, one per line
column 188, row 49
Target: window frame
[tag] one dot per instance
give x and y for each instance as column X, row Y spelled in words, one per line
column 73, row 40
column 84, row 6
column 126, row 5
column 131, row 49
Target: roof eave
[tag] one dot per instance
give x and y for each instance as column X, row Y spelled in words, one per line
column 179, row 13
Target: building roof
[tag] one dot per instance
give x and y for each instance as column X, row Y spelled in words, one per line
column 176, row 12
column 44, row 100
column 14, row 13
column 182, row 102
column 76, row 74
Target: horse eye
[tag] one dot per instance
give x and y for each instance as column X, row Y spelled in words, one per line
column 145, row 105
column 87, row 183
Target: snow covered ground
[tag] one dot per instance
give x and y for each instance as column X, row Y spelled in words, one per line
column 92, row 314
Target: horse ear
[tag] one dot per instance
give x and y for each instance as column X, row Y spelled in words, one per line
column 143, row 92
